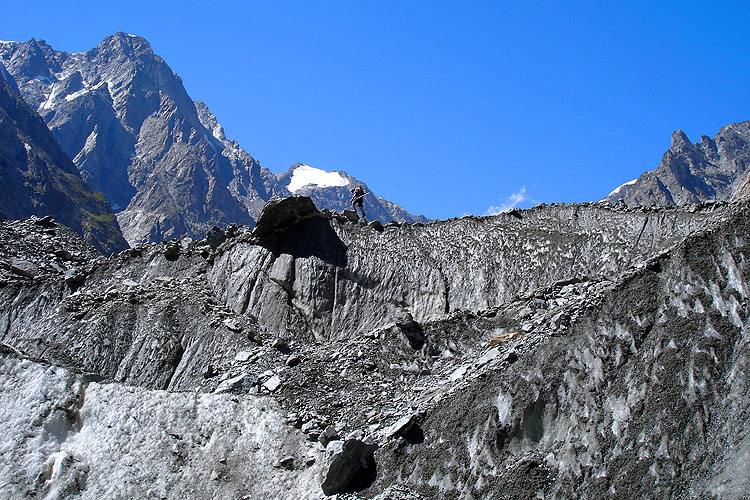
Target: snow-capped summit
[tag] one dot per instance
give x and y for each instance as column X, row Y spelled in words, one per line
column 332, row 190
column 305, row 175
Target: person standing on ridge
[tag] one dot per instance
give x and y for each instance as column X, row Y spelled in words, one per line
column 357, row 199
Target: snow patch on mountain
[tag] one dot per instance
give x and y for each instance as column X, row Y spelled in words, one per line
column 305, row 175
column 619, row 188
column 83, row 91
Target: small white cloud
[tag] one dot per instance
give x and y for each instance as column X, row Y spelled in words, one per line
column 510, row 202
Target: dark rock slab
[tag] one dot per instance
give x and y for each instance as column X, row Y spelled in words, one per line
column 280, row 213
column 351, row 466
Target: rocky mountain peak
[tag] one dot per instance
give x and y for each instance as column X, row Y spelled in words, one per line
column 131, row 45
column 680, row 142
column 125, row 118
column 128, row 65
column 39, row 179
column 30, row 60
column 209, row 121
column 734, row 140
column 690, row 173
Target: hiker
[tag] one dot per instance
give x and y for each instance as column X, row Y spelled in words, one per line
column 357, row 199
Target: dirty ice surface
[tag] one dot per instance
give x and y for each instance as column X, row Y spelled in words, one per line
column 62, row 438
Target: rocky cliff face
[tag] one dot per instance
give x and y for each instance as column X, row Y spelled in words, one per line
column 250, row 183
column 429, row 270
column 124, row 117
column 563, row 351
column 714, row 169
column 39, row 179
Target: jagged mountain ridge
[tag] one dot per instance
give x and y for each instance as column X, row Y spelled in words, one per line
column 127, row 122
column 713, row 169
column 252, row 184
column 39, row 179
column 599, row 353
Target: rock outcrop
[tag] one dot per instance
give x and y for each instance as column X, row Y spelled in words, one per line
column 350, row 466
column 565, row 351
column 711, row 170
column 280, row 214
column 38, row 179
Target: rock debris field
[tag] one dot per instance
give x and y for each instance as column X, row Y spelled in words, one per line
column 564, row 351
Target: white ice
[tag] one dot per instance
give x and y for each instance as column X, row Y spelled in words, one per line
column 305, row 175
column 64, row 439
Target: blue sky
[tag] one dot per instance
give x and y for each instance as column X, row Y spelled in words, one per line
column 446, row 108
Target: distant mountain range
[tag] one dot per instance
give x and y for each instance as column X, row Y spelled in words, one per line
column 166, row 168
column 713, row 169
column 39, row 179
column 162, row 160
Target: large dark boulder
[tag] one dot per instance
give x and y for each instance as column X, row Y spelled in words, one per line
column 351, row 466
column 279, row 214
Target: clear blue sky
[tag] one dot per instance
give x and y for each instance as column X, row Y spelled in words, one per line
column 446, row 108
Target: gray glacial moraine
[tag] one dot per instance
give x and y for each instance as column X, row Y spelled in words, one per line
column 641, row 394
